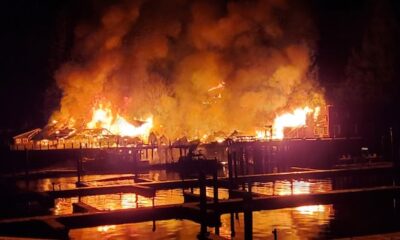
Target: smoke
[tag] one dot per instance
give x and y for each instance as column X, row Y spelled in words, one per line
column 198, row 67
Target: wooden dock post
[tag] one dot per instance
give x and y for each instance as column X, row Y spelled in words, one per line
column 275, row 233
column 232, row 224
column 248, row 216
column 78, row 170
column 203, row 205
column 216, row 207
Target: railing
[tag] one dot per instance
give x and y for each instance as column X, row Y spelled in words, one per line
column 76, row 145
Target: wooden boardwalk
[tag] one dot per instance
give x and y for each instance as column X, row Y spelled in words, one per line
column 58, row 226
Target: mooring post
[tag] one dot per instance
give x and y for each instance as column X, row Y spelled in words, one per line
column 154, row 219
column 203, row 205
column 79, row 169
column 232, row 224
column 275, row 233
column 248, row 216
column 216, row 207
column 235, row 171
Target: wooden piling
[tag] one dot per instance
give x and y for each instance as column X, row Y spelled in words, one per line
column 203, row 205
column 216, row 207
column 232, row 216
column 248, row 216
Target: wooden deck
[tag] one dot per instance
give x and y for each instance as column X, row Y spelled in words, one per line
column 58, row 226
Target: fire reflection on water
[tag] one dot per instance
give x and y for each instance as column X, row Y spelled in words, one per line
column 286, row 187
column 105, row 228
column 293, row 223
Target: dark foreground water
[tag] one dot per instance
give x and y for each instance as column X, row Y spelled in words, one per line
column 372, row 216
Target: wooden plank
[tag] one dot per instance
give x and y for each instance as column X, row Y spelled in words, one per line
column 318, row 174
column 101, row 190
column 147, row 189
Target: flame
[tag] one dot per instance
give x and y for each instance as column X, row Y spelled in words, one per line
column 124, row 128
column 295, row 119
column 103, row 118
column 262, row 134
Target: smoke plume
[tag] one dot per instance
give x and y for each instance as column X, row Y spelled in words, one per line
column 198, row 67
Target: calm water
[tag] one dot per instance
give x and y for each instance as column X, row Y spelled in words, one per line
column 305, row 222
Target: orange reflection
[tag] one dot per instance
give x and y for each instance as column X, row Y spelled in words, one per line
column 312, row 209
column 105, row 228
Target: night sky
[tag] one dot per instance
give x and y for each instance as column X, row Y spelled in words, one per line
column 37, row 37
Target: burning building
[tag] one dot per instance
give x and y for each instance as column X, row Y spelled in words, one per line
column 154, row 72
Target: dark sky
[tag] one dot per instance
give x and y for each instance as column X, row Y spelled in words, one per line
column 37, row 37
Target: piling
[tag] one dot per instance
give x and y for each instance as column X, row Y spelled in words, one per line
column 275, row 233
column 78, row 170
column 232, row 224
column 216, row 207
column 203, row 205
column 248, row 216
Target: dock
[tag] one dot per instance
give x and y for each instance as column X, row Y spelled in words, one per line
column 58, row 226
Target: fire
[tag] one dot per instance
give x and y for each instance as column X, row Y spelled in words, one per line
column 295, row 119
column 124, row 128
column 103, row 118
column 260, row 134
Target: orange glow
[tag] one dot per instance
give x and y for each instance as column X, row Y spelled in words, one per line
column 310, row 210
column 295, row 119
column 105, row 228
column 260, row 134
column 103, row 118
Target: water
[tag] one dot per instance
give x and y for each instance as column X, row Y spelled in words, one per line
column 306, row 222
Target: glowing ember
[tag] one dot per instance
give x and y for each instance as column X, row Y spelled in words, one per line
column 103, row 118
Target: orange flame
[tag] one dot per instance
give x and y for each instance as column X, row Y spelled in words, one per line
column 103, row 118
column 296, row 119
